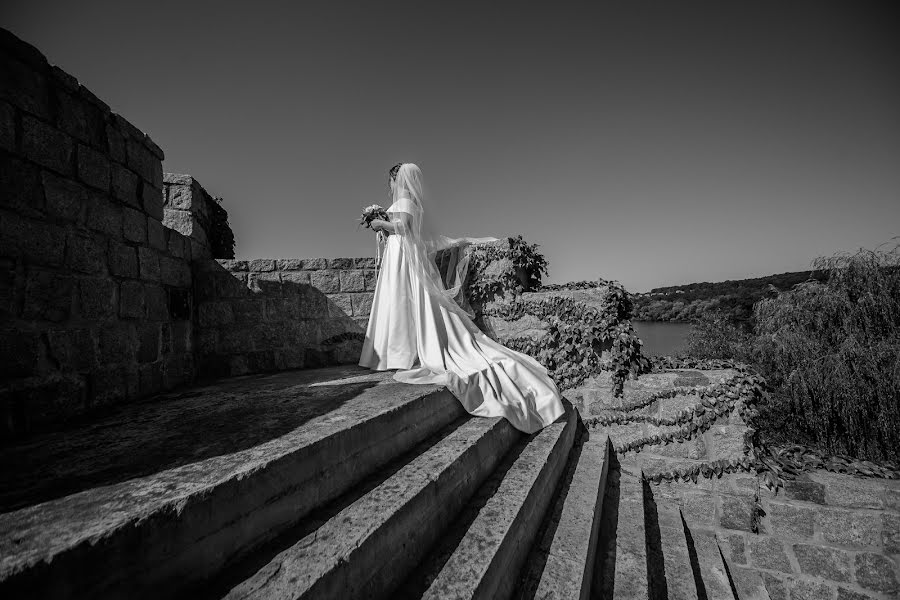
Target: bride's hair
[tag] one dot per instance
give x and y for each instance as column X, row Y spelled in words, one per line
column 394, row 170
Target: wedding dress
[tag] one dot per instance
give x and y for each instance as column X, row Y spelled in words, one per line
column 416, row 316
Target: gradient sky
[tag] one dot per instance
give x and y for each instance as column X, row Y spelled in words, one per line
column 654, row 143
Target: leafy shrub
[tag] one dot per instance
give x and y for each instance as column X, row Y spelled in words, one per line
column 716, row 335
column 832, row 352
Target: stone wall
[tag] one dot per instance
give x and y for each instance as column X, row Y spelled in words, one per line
column 95, row 302
column 190, row 210
column 272, row 314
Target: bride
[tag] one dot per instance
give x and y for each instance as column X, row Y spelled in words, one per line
column 418, row 326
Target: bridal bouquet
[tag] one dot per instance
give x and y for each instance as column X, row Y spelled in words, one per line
column 369, row 214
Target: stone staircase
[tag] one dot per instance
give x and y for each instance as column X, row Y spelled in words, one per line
column 342, row 483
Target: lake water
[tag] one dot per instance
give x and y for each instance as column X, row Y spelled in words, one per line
column 662, row 338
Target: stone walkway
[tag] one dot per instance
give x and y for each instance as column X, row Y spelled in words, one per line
column 825, row 536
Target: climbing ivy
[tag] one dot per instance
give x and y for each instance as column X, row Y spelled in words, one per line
column 572, row 346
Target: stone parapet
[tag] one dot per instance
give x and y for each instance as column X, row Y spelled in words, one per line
column 271, row 314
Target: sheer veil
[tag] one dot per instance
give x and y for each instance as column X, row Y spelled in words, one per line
column 420, row 240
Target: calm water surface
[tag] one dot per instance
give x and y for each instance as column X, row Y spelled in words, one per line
column 661, row 337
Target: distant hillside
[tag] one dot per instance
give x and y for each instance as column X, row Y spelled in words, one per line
column 734, row 298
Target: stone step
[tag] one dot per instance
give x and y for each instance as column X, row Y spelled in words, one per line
column 302, row 438
column 629, row 576
column 713, row 575
column 487, row 560
column 562, row 564
column 367, row 549
column 679, row 575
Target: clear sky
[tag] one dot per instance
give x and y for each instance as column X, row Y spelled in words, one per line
column 656, row 143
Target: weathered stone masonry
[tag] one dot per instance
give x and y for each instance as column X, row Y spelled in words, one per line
column 94, row 291
column 109, row 290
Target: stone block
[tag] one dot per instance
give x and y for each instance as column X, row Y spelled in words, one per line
column 93, row 168
column 124, row 185
column 890, row 533
column 72, row 349
column 265, row 283
column 876, row 572
column 178, row 369
column 178, row 337
column 110, row 384
column 132, row 300
column 361, row 304
column 290, row 264
column 20, row 351
column 364, row 263
column 313, row 303
column 261, row 265
column 788, row 521
column 86, row 253
column 175, row 272
column 371, row 278
column 767, row 552
column 824, row 562
column 37, row 242
column 148, row 343
column 850, row 492
column 122, row 260
column 47, row 146
column 79, row 118
column 847, row 594
column 149, row 263
column 115, row 142
column 155, row 150
column 248, row 310
column 179, row 196
column 48, row 296
column 179, row 220
column 314, row 264
column 117, row 343
column 805, row 490
column 176, row 242
column 774, row 586
column 134, row 225
column 215, row 314
column 7, row 127
column 237, row 339
column 152, row 200
column 327, row 282
column 733, row 547
column 23, row 87
column 156, row 234
column 149, row 379
column 104, row 216
column 157, row 303
column 891, row 499
column 207, row 340
column 340, row 305
column 851, row 528
column 177, row 179
column 20, row 187
column 291, row 279
column 811, row 590
column 352, row 281
column 64, row 198
column 140, row 160
column 97, row 298
column 230, row 264
column 699, row 509
column 340, row 263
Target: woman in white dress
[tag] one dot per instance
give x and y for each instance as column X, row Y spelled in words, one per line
column 415, row 318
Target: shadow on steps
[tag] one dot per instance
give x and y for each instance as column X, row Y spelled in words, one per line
column 248, row 565
column 695, row 561
column 656, row 568
column 603, row 584
column 537, row 558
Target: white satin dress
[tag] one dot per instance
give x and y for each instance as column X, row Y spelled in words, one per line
column 489, row 379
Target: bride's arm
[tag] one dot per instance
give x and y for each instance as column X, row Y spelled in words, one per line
column 392, row 227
